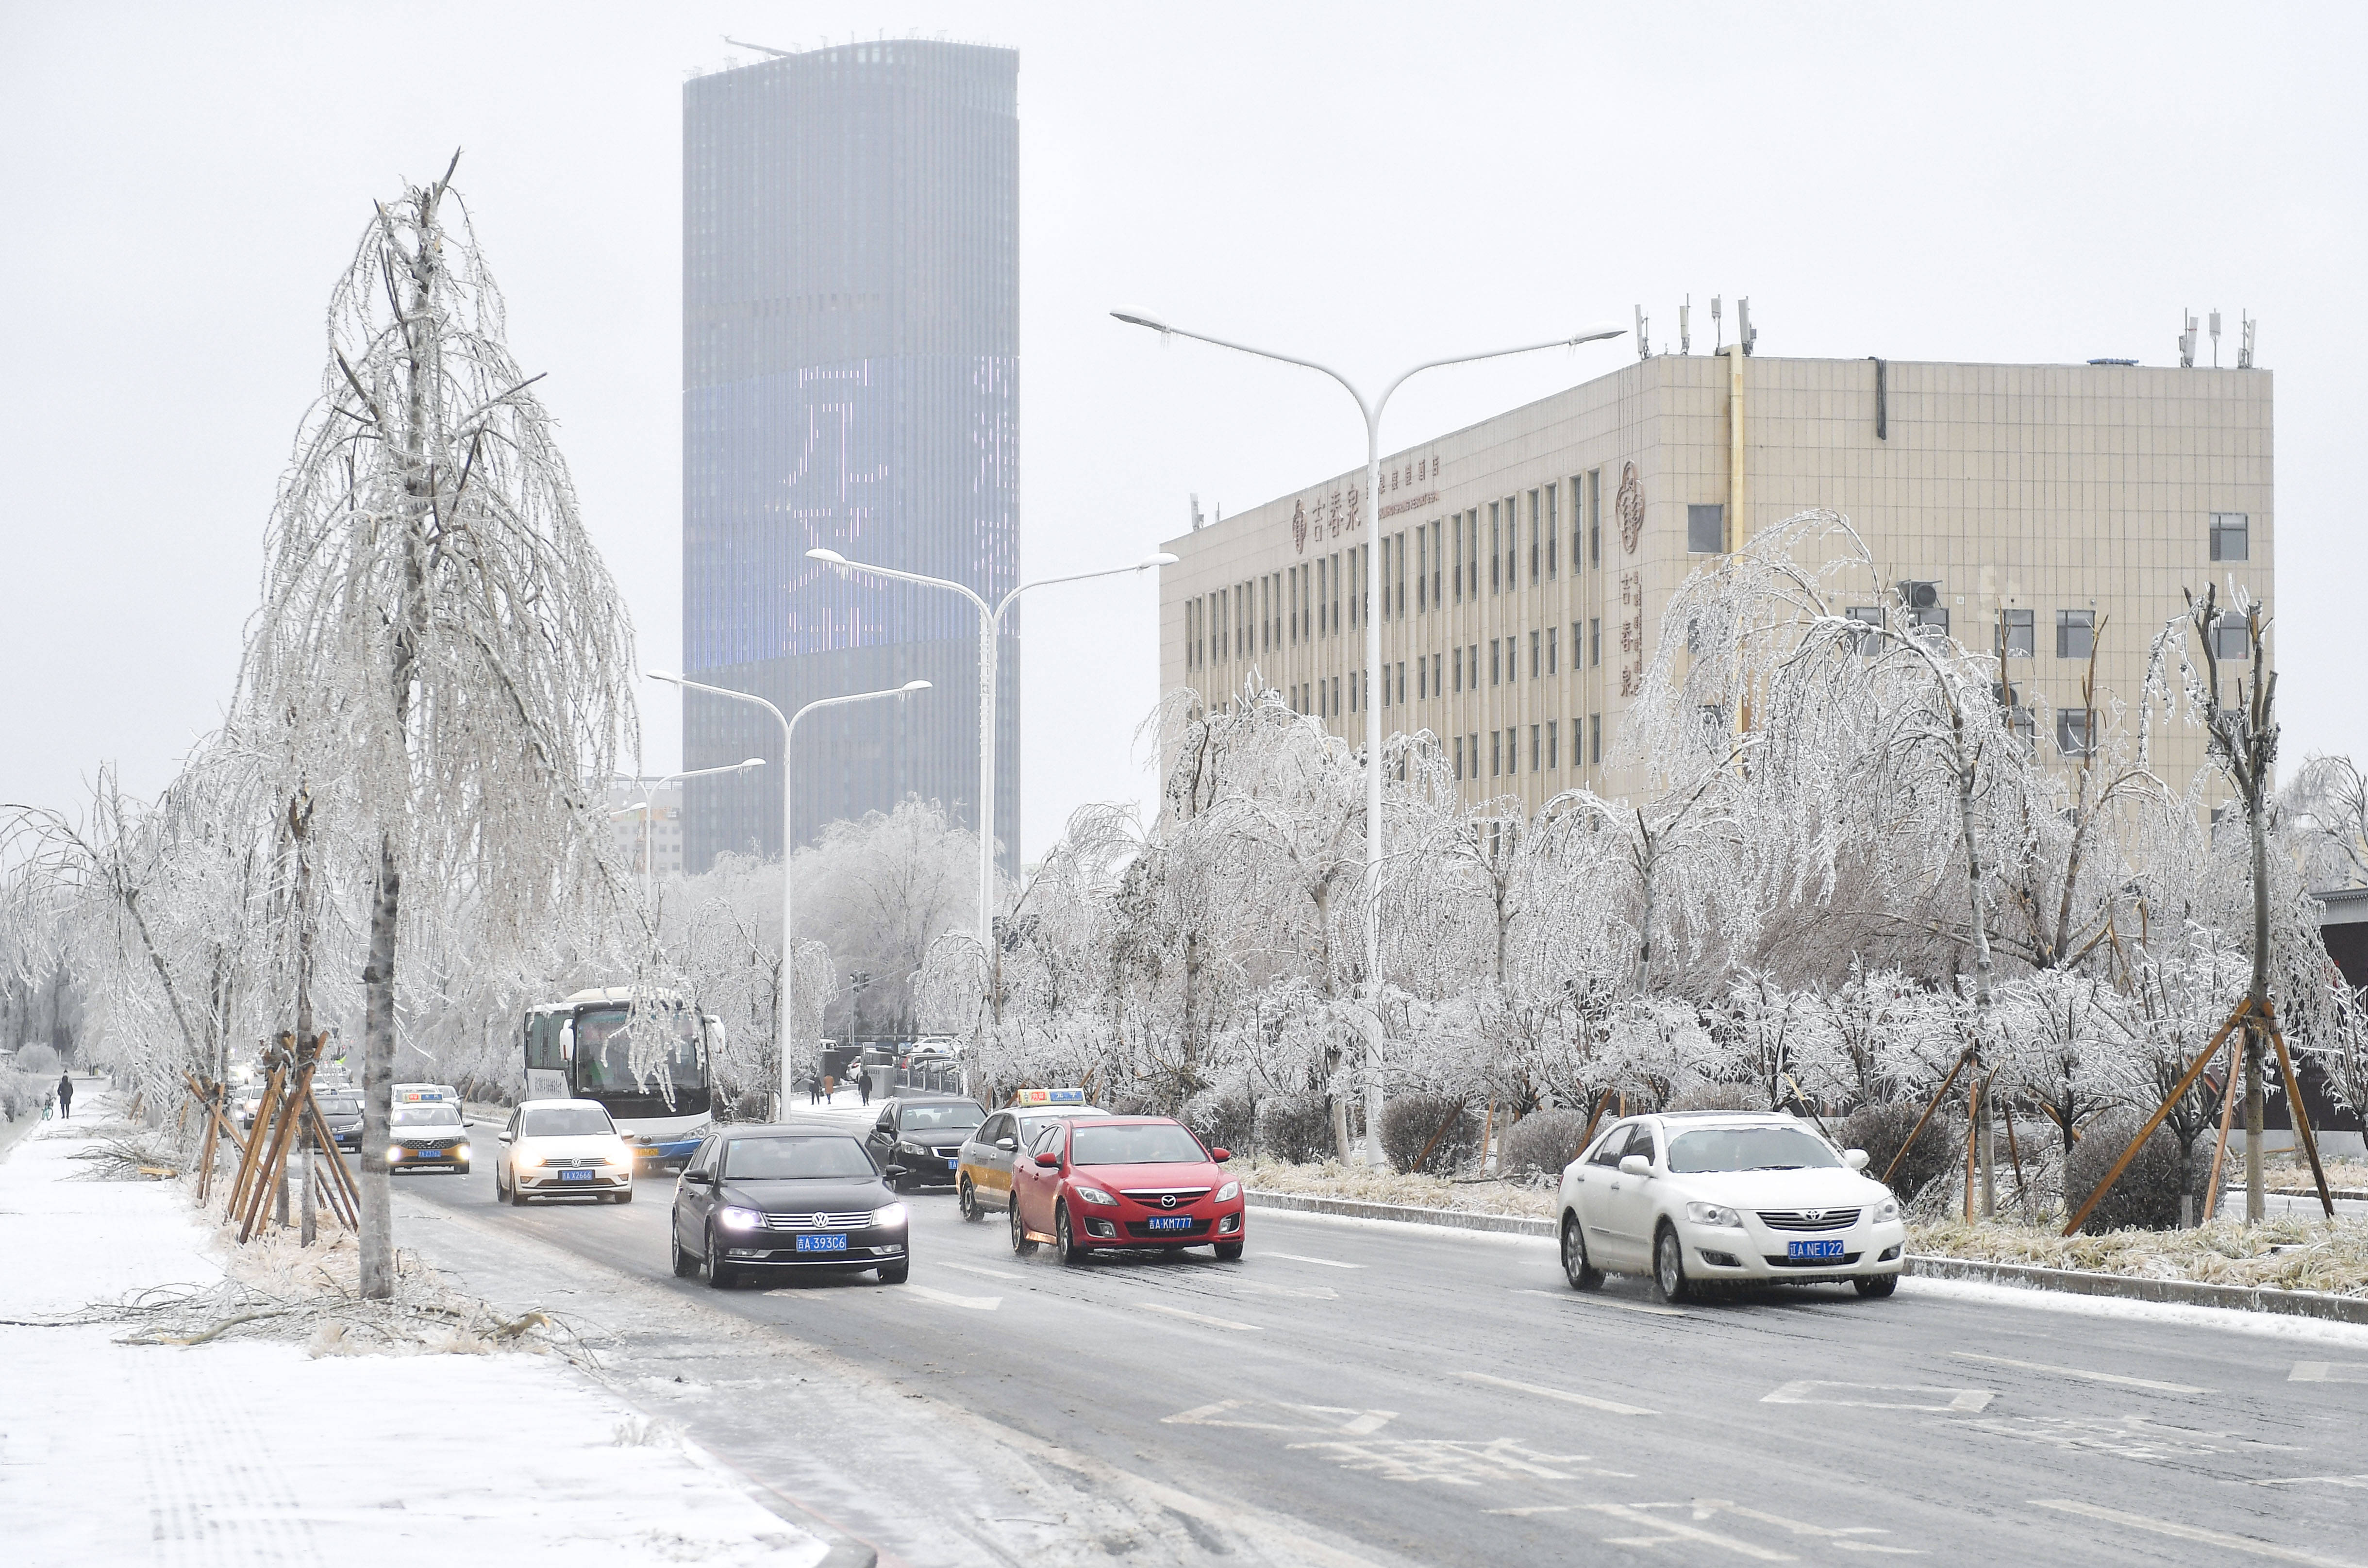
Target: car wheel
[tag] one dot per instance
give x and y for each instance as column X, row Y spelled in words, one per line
column 625, row 1197
column 1670, row 1264
column 719, row 1274
column 1877, row 1285
column 1020, row 1244
column 685, row 1266
column 894, row 1273
column 518, row 1193
column 1071, row 1252
column 901, row 1184
column 1227, row 1251
column 1582, row 1273
column 966, row 1199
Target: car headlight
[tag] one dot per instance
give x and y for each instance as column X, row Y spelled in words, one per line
column 394, row 1152
column 1096, row 1195
column 1887, row 1209
column 530, row 1162
column 1714, row 1215
column 1228, row 1192
column 888, row 1217
column 740, row 1220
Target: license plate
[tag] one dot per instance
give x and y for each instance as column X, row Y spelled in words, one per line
column 575, row 1175
column 821, row 1243
column 1813, row 1249
column 953, row 1165
column 1171, row 1221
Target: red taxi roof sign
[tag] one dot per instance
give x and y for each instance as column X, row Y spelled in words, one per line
column 1049, row 1096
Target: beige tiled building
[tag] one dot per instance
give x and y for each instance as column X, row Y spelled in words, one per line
column 1525, row 561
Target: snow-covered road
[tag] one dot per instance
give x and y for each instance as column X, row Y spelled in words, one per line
column 236, row 1453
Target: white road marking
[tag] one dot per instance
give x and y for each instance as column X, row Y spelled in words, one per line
column 1357, row 1423
column 2077, row 1372
column 1304, row 1292
column 1577, row 1299
column 1197, row 1317
column 1613, row 1405
column 947, row 1298
column 2191, row 1532
column 2329, row 1372
column 1672, row 1530
column 2126, row 1437
column 1453, row 1462
column 2357, row 1482
column 1840, row 1537
column 1295, row 1257
column 974, row 1268
column 1809, row 1391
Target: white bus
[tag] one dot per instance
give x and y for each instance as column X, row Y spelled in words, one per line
column 579, row 1047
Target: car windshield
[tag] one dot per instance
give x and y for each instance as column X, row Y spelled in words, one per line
column 795, row 1159
column 561, row 1121
column 1158, row 1144
column 420, row 1114
column 920, row 1118
column 1750, row 1148
column 340, row 1104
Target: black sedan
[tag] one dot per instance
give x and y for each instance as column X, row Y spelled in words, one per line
column 918, row 1138
column 755, row 1200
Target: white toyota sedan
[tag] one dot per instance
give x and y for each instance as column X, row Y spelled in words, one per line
column 1697, row 1198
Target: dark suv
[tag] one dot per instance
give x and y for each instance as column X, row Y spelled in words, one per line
column 918, row 1138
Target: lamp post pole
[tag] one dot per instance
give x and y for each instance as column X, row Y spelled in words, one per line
column 1369, row 518
column 649, row 849
column 789, row 724
column 990, row 627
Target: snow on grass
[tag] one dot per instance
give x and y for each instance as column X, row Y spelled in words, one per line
column 252, row 1451
column 1366, row 1184
column 2288, row 1252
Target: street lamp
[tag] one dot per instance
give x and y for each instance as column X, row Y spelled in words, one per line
column 649, row 851
column 990, row 623
column 1370, row 519
column 789, row 832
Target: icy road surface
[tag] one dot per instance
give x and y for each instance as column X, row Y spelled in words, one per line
column 1356, row 1392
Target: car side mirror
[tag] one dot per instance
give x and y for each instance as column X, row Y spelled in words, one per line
column 1008, row 1145
column 1636, row 1165
column 1854, row 1158
column 503, row 1136
column 1221, row 1156
column 698, row 1179
column 1048, row 1160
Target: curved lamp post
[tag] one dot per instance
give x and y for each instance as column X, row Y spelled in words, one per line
column 1368, row 517
column 649, row 849
column 990, row 624
column 788, row 833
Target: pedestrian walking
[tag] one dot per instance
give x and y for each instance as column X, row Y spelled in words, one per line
column 863, row 1083
column 65, row 1095
column 814, row 1088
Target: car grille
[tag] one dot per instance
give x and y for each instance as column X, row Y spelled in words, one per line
column 1142, row 1228
column 855, row 1220
column 1808, row 1219
column 1150, row 1196
column 574, row 1164
column 427, row 1144
column 1813, row 1263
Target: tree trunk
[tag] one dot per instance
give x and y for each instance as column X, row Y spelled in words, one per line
column 378, row 1078
column 1983, row 1139
column 2256, row 1026
column 308, row 1049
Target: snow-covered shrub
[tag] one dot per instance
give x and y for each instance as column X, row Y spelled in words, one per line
column 1428, row 1132
column 2147, row 1194
column 1297, row 1129
column 1882, row 1129
column 1224, row 1121
column 1541, row 1142
column 1717, row 1096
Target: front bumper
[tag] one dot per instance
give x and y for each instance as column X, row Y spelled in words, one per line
column 602, row 1178
column 670, row 1156
column 928, row 1168
column 779, row 1249
column 1130, row 1225
column 1758, row 1253
column 400, row 1159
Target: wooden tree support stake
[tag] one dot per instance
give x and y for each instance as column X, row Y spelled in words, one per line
column 2186, row 1082
column 2220, row 1149
column 1963, row 1057
column 2302, row 1118
column 266, row 1107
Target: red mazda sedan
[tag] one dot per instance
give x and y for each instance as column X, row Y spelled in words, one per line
column 1091, row 1183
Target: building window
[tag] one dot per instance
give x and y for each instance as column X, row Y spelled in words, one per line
column 1512, row 543
column 1475, row 739
column 1594, row 738
column 2021, row 636
column 1552, row 635
column 1496, row 667
column 1496, row 753
column 1421, row 566
column 1459, row 756
column 2074, row 731
column 1594, row 641
column 1458, row 557
column 1333, row 573
column 1496, row 543
column 1472, row 661
column 1554, row 525
column 1554, row 750
column 1352, row 692
column 1400, row 684
column 1421, row 678
column 1336, row 696
column 2024, row 725
column 1435, row 538
column 2232, row 536
column 1402, row 538
column 2075, row 634
column 2231, row 642
column 1868, row 641
column 1535, row 669
column 1459, row 668
column 1533, row 748
column 1595, row 516
column 1705, row 530
column 1436, row 689
column 1471, row 564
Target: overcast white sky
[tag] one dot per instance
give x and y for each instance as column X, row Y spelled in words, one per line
column 1369, row 184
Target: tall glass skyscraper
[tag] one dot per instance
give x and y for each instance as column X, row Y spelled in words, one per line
column 850, row 380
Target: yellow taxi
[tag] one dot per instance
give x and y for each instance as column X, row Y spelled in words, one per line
column 983, row 1178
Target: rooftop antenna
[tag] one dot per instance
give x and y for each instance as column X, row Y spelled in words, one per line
column 2215, row 337
column 2186, row 343
column 1196, row 511
column 2244, row 347
column 1743, row 329
column 1685, row 327
column 1718, row 337
column 1644, row 331
column 761, row 49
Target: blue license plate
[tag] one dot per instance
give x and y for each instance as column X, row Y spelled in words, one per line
column 1171, row 1221
column 1813, row 1249
column 575, row 1175
column 821, row 1243
column 953, row 1165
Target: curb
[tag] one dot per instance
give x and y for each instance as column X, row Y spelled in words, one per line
column 1403, row 1213
column 2080, row 1282
column 2340, row 1193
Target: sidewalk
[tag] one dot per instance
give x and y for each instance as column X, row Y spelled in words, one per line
column 253, row 1451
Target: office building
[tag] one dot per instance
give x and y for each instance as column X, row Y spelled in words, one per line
column 645, row 828
column 1525, row 561
column 850, row 380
